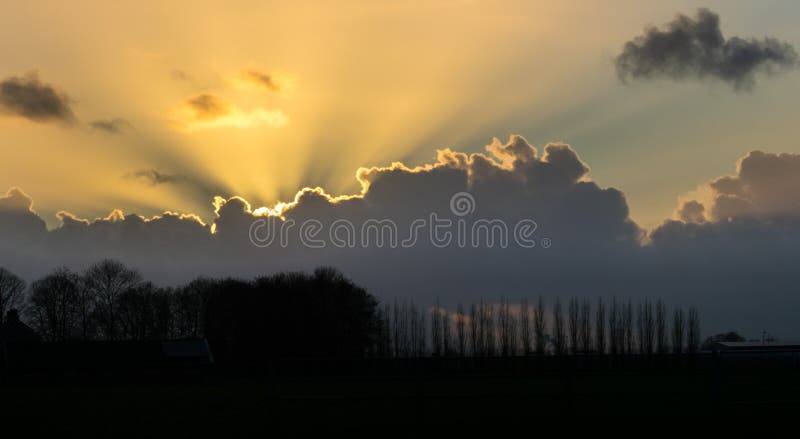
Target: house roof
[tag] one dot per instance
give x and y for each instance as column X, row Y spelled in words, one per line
column 13, row 329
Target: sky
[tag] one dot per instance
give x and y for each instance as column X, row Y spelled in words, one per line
column 366, row 84
column 655, row 143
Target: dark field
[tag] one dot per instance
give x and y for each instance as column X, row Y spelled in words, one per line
column 405, row 395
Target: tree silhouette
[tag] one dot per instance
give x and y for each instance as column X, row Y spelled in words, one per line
column 693, row 331
column 559, row 335
column 539, row 327
column 661, row 328
column 627, row 323
column 526, row 335
column 291, row 315
column 144, row 313
column 678, row 331
column 600, row 327
column 106, row 281
column 12, row 290
column 436, row 330
column 585, row 331
column 474, row 332
column 461, row 332
column 573, row 324
column 53, row 305
column 324, row 314
column 188, row 306
column 645, row 327
column 616, row 333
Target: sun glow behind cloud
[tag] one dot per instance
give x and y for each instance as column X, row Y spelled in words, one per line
column 285, row 107
column 313, row 90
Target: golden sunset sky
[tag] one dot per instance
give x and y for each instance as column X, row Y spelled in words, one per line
column 259, row 99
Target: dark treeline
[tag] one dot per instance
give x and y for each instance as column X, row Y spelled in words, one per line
column 284, row 315
column 323, row 314
column 578, row 326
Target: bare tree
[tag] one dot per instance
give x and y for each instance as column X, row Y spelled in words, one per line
column 397, row 329
column 616, row 335
column 420, row 347
column 11, row 292
column 436, row 330
column 482, row 329
column 53, row 305
column 600, row 327
column 87, row 305
column 512, row 338
column 645, row 327
column 473, row 330
column 411, row 339
column 490, row 331
column 627, row 322
column 585, row 333
column 384, row 348
column 447, row 345
column 189, row 306
column 573, row 324
column 504, row 327
column 525, row 327
column 107, row 280
column 693, row 331
column 678, row 331
column 661, row 328
column 143, row 313
column 461, row 330
column 559, row 336
column 539, row 327
column 513, row 330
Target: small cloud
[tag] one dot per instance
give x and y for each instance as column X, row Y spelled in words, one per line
column 278, row 83
column 259, row 79
column 206, row 107
column 694, row 48
column 209, row 111
column 692, row 212
column 34, row 100
column 154, row 177
column 181, row 76
column 111, row 126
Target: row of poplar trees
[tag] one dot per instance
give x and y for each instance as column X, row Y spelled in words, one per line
column 578, row 326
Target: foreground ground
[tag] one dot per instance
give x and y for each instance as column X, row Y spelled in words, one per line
column 397, row 396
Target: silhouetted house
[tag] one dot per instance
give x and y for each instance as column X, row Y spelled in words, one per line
column 13, row 330
column 755, row 347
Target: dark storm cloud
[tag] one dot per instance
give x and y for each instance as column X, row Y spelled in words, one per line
column 111, row 126
column 694, row 48
column 154, row 177
column 28, row 97
column 737, row 266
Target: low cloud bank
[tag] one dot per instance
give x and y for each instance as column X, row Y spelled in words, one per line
column 733, row 255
